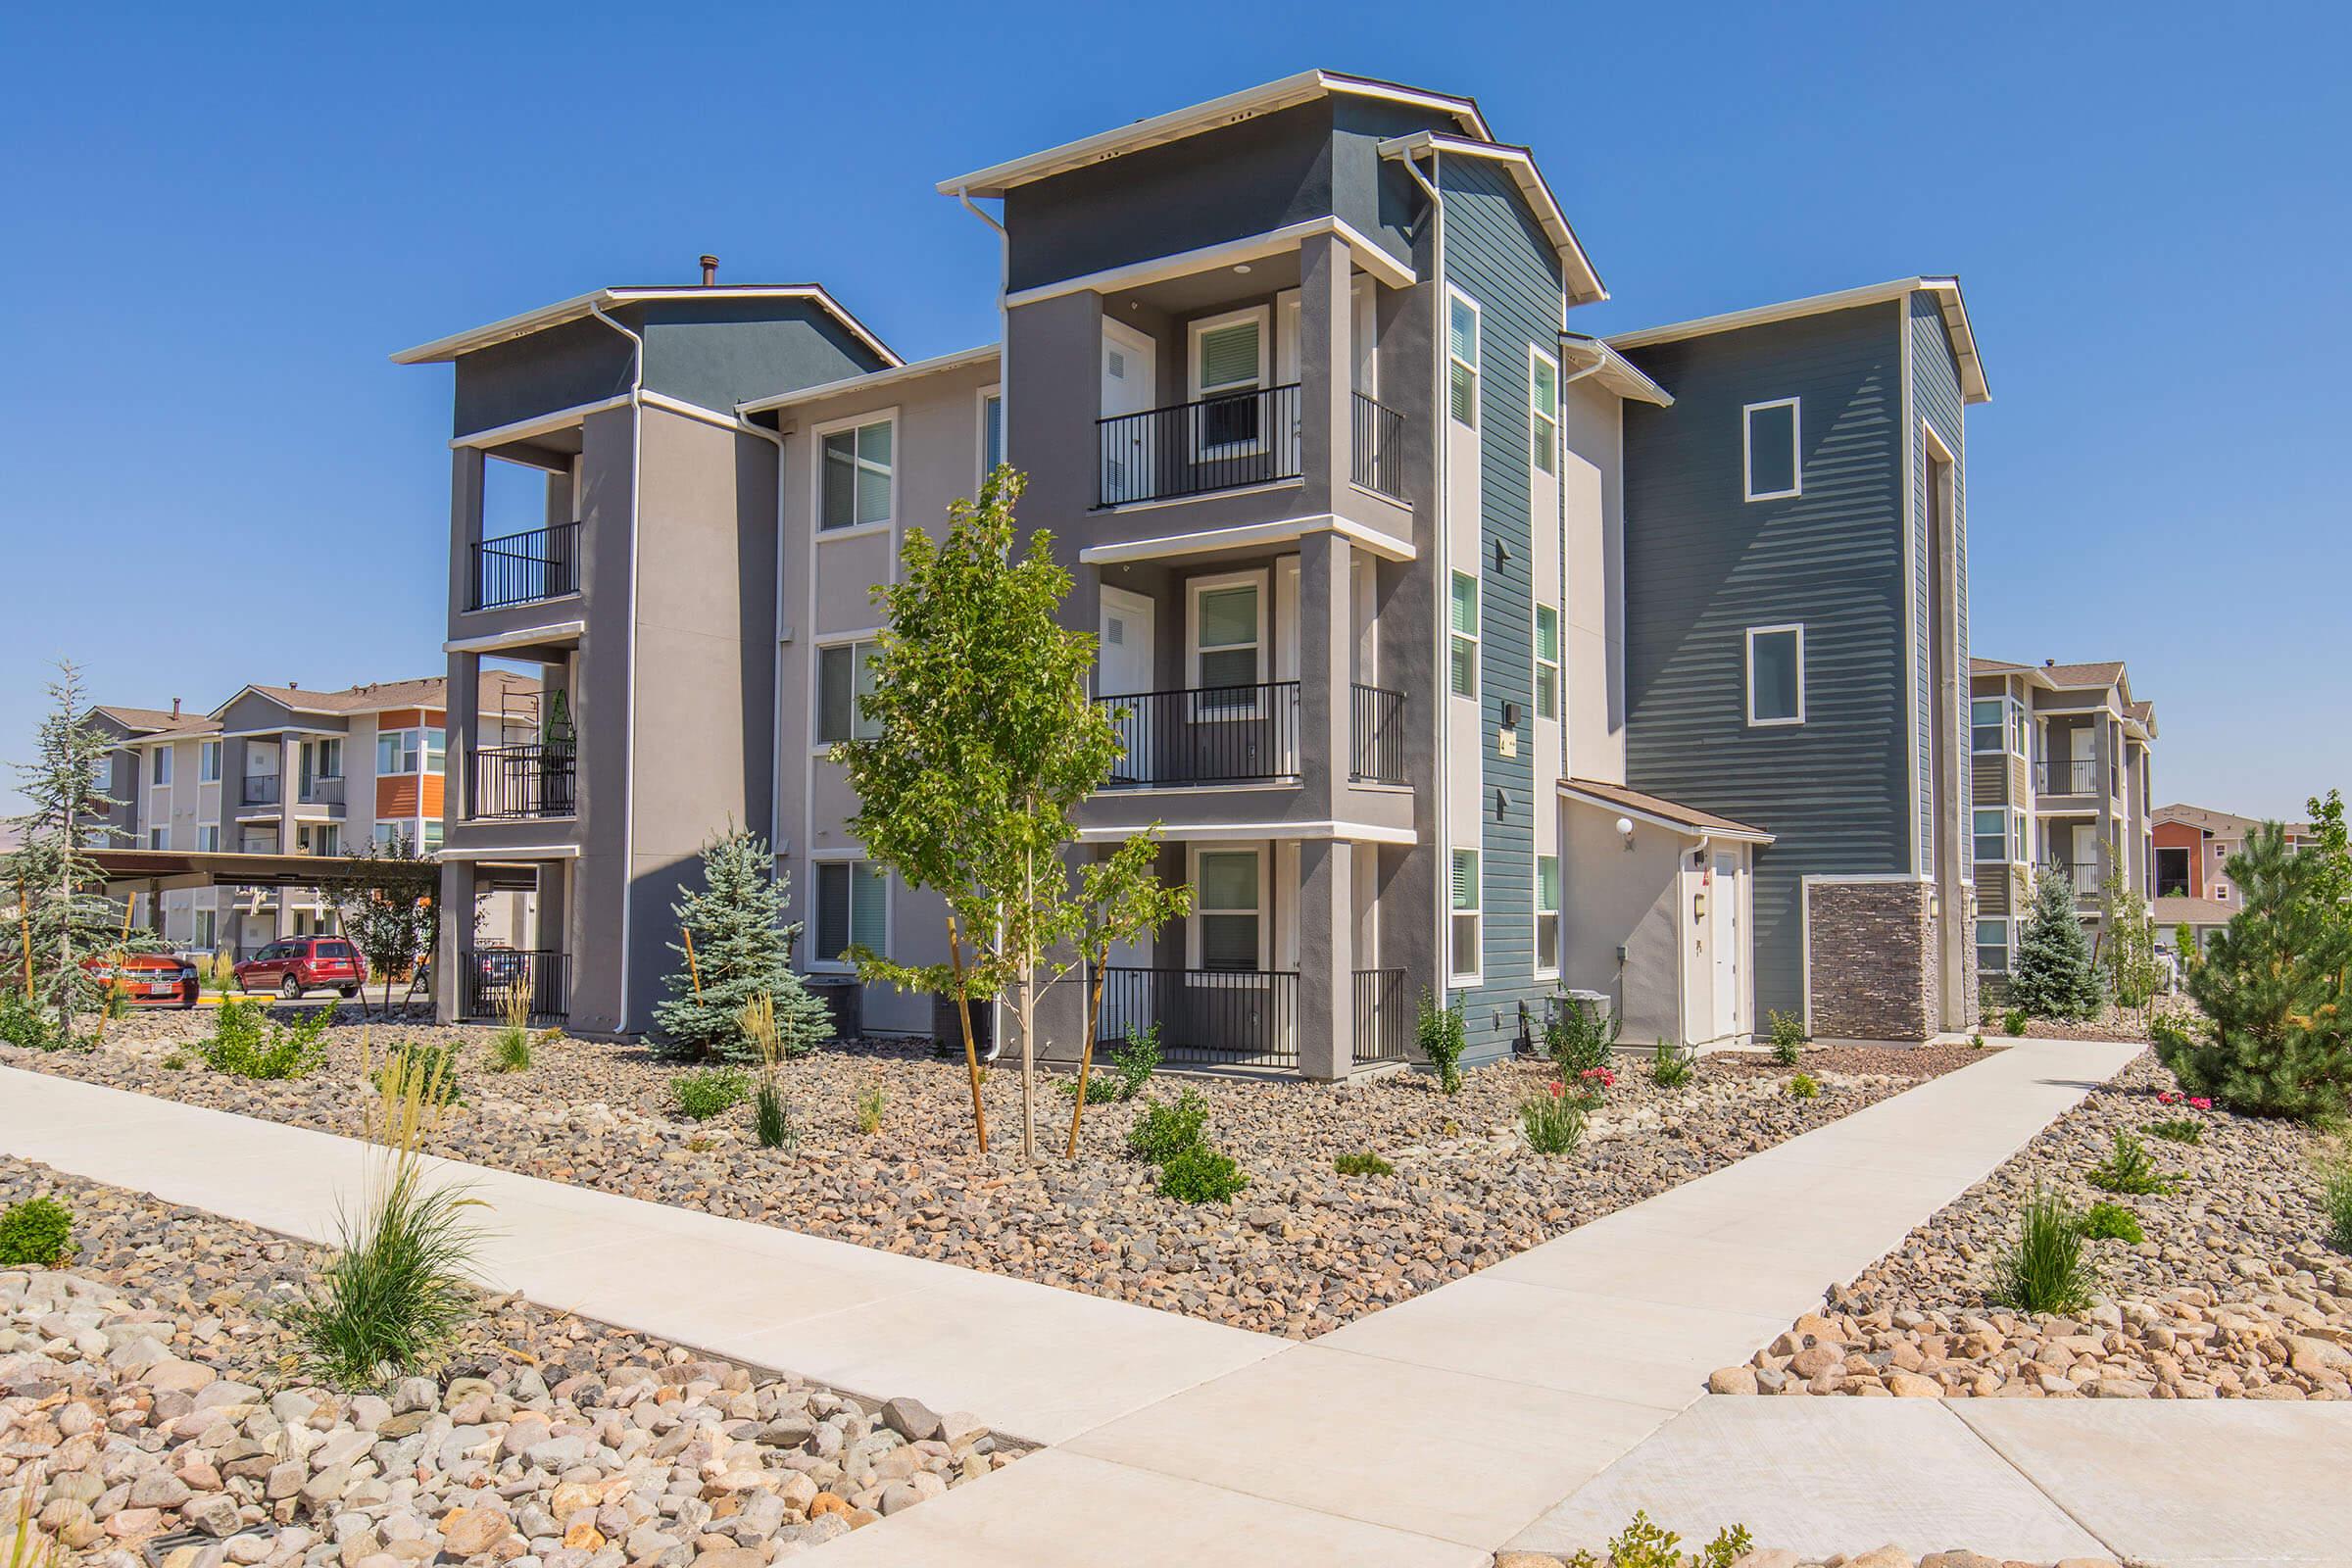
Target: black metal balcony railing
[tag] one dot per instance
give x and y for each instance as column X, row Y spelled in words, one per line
column 1376, row 720
column 2084, row 879
column 520, row 568
column 260, row 789
column 1213, row 443
column 487, row 977
column 1214, row 1017
column 2059, row 776
column 1384, row 1022
column 520, row 781
column 1205, row 735
column 1378, row 448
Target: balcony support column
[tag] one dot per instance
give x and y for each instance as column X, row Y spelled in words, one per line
column 1326, row 318
column 462, row 734
column 1326, row 1020
column 465, row 528
column 455, row 910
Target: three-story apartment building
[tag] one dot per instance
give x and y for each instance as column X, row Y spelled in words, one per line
column 1359, row 523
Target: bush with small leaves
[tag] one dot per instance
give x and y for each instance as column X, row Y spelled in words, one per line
column 2045, row 1271
column 1670, row 1065
column 1977, row 1041
column 39, row 1232
column 2178, row 1129
column 1202, row 1175
column 2112, row 1222
column 1805, row 1086
column 1443, row 1037
column 867, row 1108
column 1788, row 1036
column 23, row 1024
column 1643, row 1545
column 2014, row 1022
column 2130, row 1168
column 1132, row 1066
column 1363, row 1163
column 712, row 1092
column 246, row 1043
column 1163, row 1131
column 1579, row 1036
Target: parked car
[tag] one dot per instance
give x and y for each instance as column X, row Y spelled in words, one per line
column 292, row 965
column 153, row 979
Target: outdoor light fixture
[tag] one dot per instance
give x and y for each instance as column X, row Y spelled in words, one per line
column 1625, row 831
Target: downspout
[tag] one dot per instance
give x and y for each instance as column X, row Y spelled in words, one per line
column 628, row 733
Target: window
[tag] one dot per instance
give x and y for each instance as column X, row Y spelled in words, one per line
column 1226, row 633
column 845, row 679
column 1543, row 411
column 159, row 838
column 1547, row 914
column 205, row 928
column 856, row 483
column 436, row 752
column 1992, row 947
column 1992, row 842
column 389, row 833
column 326, row 757
column 433, row 831
column 1776, row 675
column 853, row 909
column 2021, row 731
column 208, row 761
column 320, row 839
column 2172, row 874
column 1769, row 442
column 1989, row 724
column 1225, row 888
column 1465, row 906
column 208, row 840
column 160, row 770
column 1461, row 353
column 1229, row 362
column 1461, row 664
column 992, row 433
column 1547, row 662
column 399, row 751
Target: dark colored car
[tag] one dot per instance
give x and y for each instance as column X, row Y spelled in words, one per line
column 150, row 979
column 292, row 965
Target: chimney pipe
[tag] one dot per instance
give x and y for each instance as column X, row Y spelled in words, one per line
column 174, row 707
column 710, row 271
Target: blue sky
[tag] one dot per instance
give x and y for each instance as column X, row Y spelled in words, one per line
column 215, row 231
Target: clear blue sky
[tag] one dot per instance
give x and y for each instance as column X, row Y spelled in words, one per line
column 212, row 232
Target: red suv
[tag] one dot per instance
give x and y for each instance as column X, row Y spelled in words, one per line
column 296, row 965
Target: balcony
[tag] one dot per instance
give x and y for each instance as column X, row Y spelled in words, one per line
column 1225, row 442
column 489, row 979
column 2063, row 777
column 1384, row 1017
column 1376, row 720
column 2084, row 879
column 523, row 568
column 1377, row 460
column 1205, row 735
column 260, row 789
column 1206, row 1018
column 512, row 783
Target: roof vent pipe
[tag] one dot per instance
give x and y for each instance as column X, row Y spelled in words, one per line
column 710, row 271
column 174, row 707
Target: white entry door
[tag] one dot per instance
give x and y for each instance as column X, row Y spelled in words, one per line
column 1130, row 378
column 1123, row 668
column 1723, row 921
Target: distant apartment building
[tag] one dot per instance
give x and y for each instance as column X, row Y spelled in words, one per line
column 2064, row 779
column 2192, row 845
column 1450, row 648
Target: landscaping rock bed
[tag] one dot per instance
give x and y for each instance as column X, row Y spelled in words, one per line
column 1878, row 1557
column 1303, row 1251
column 2234, row 1292
column 150, row 1393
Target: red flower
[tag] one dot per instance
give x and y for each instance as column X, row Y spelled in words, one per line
column 2167, row 1097
column 1558, row 1088
column 2200, row 1102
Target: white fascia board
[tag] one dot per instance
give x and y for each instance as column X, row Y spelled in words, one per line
column 1687, row 830
column 913, row 371
column 520, row 637
column 1973, row 387
column 1584, row 284
column 498, row 435
column 1387, row 546
column 1225, row 253
column 1614, row 371
column 1211, row 832
column 509, row 852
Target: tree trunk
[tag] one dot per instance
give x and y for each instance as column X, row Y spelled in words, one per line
column 1029, row 1014
column 1086, row 1049
column 971, row 1047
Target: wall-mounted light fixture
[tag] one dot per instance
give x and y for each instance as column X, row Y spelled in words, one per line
column 1624, row 832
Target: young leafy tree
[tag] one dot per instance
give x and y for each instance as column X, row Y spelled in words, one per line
column 387, row 903
column 741, row 949
column 2053, row 977
column 1121, row 899
column 986, row 744
column 2276, row 988
column 2126, row 944
column 2332, row 880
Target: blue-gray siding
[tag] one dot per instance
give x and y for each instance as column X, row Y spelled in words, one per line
column 1702, row 564
column 1937, row 399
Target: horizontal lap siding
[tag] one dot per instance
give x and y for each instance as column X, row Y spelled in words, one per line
column 1498, row 256
column 1702, row 564
column 1936, row 399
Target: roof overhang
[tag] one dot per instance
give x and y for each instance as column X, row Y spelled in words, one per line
column 1962, row 338
column 605, row 299
column 1231, row 109
column 1715, row 829
column 1583, row 284
column 1609, row 369
column 913, row 370
column 198, row 868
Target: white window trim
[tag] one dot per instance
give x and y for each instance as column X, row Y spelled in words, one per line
column 979, row 435
column 2007, row 727
column 1475, row 636
column 1264, row 316
column 1548, row 959
column 2008, row 940
column 1796, row 449
column 819, row 746
column 1551, row 416
column 1194, row 588
column 162, row 761
column 816, row 474
column 889, row 896
column 1754, row 632
column 1478, row 331
column 1265, row 905
column 1535, row 634
column 1466, row 978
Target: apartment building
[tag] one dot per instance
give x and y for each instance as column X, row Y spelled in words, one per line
column 1381, row 561
column 2191, row 847
column 2062, row 780
column 284, row 770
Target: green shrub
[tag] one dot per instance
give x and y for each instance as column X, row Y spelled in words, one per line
column 428, row 1066
column 1805, row 1086
column 1788, row 1036
column 868, row 1107
column 2335, row 1199
column 23, row 1024
column 712, row 1092
column 2112, row 1222
column 1132, row 1066
column 1643, row 1545
column 2130, row 1168
column 1163, row 1131
column 1553, row 1122
column 247, row 1043
column 2045, row 1271
column 1977, row 1041
column 1365, row 1163
column 2014, row 1022
column 510, row 1051
column 1669, row 1065
column 771, row 1119
column 1199, row 1174
column 1579, row 1036
column 2178, row 1129
column 39, row 1232
column 1443, row 1038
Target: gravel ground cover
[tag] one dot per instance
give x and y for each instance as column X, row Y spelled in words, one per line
column 1878, row 1557
column 2234, row 1292
column 147, row 1389
column 2112, row 1023
column 1303, row 1251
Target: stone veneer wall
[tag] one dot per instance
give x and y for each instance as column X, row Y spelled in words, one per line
column 1871, row 963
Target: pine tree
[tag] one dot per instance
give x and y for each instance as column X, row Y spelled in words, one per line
column 2276, row 988
column 741, row 949
column 2053, row 977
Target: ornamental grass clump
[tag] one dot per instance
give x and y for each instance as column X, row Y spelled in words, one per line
column 868, row 1107
column 37, row 1233
column 2045, row 1271
column 2130, row 1168
column 27, row 1547
column 395, row 1299
column 511, row 1046
column 712, row 1092
column 772, row 1117
column 1551, row 1121
column 1670, row 1065
column 432, row 1063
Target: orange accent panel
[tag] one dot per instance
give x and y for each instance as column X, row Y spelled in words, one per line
column 396, row 797
column 436, row 792
column 401, row 719
column 2184, row 836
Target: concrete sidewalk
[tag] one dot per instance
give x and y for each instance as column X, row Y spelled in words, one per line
column 1432, row 1433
